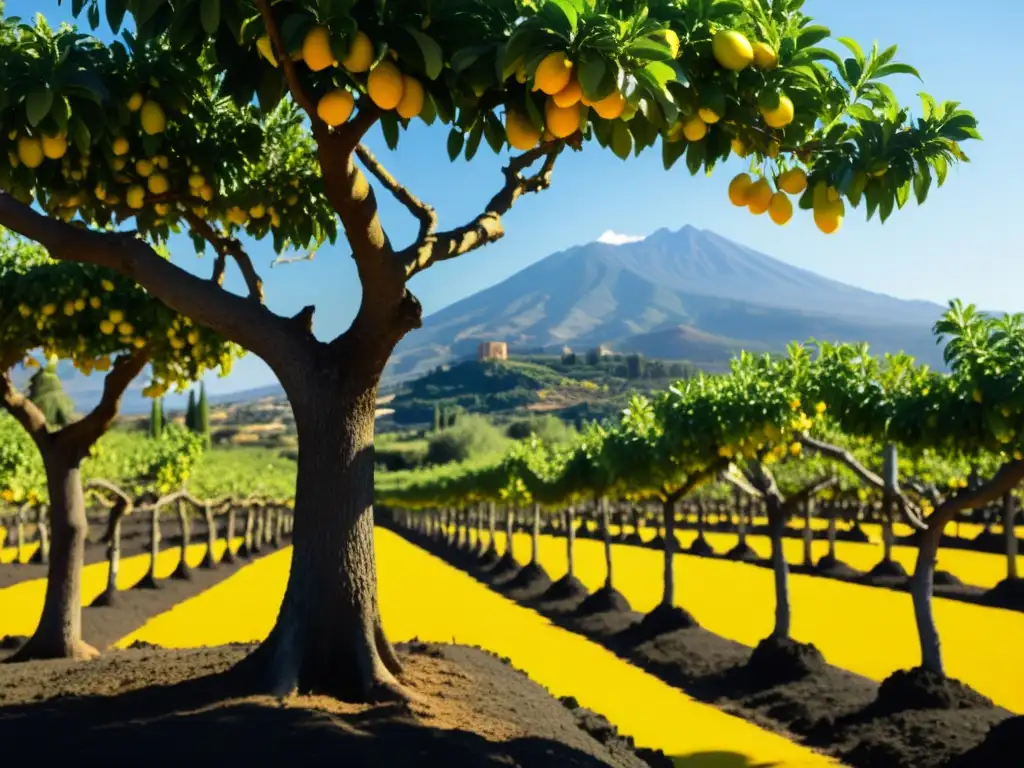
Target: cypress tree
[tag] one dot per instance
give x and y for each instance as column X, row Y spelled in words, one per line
column 203, row 415
column 437, row 418
column 156, row 418
column 190, row 414
column 47, row 392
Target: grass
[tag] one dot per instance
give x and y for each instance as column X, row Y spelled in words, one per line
column 442, row 604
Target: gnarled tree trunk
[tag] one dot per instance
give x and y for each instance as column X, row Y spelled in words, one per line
column 210, row 558
column 149, row 580
column 808, row 533
column 183, row 571
column 20, row 557
column 921, row 586
column 780, row 570
column 229, row 553
column 257, row 533
column 668, row 513
column 606, row 527
column 570, row 540
column 113, row 539
column 535, row 536
column 1010, row 534
column 279, row 529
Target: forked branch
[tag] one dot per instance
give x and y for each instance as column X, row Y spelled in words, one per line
column 24, row 411
column 1005, row 480
column 425, row 213
column 83, row 433
column 739, row 480
column 224, row 246
column 291, row 72
column 808, row 492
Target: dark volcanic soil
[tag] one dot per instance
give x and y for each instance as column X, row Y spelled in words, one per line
column 787, row 687
column 472, row 710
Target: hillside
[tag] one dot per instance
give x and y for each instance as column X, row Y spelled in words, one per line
column 689, row 294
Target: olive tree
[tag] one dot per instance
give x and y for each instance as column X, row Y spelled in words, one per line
column 198, row 84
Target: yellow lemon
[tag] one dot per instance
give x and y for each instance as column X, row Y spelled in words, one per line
column 153, row 119
column 611, row 106
column 335, row 107
column 553, row 73
column 115, row 316
column 411, row 103
column 561, row 121
column 120, row 146
column 793, row 181
column 206, row 192
column 675, row 133
column 765, row 56
column 360, row 53
column 55, row 147
column 95, row 302
column 569, row 95
column 258, row 211
column 782, row 115
column 739, row 189
column 196, row 181
column 759, row 197
column 162, row 162
column 694, row 129
column 144, row 167
column 739, row 147
column 732, row 49
column 158, row 184
column 237, row 216
column 266, row 49
column 125, row 329
column 136, row 196
column 30, row 151
column 780, row 209
column 709, row 116
column 106, row 328
column 135, row 102
column 828, row 214
column 521, row 133
column 385, row 85
column 316, row 49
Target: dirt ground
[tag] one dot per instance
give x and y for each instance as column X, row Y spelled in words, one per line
column 471, row 710
column 909, row 721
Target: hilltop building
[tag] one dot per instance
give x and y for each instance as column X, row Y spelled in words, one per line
column 492, row 350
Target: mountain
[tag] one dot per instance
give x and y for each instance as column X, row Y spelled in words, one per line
column 689, row 294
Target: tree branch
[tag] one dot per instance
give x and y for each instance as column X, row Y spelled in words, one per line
column 811, row 490
column 291, row 72
column 292, row 259
column 694, row 480
column 86, row 431
column 1005, row 480
column 741, row 482
column 487, row 227
column 99, row 484
column 225, row 246
column 24, row 411
column 425, row 213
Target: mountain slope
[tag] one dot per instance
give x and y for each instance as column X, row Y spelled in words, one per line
column 688, row 294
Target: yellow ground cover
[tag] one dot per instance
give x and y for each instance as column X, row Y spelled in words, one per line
column 866, row 630
column 423, row 597
column 20, row 604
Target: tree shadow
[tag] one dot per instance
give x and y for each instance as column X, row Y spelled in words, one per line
column 717, row 760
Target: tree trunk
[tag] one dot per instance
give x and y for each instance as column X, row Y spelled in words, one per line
column 259, row 522
column 921, row 584
column 109, row 595
column 229, row 554
column 510, row 514
column 780, row 569
column 492, row 527
column 279, row 528
column 570, row 539
column 741, row 519
column 250, row 521
column 42, row 553
column 59, row 632
column 1010, row 534
column 832, row 534
column 808, row 533
column 210, row 558
column 19, row 558
column 668, row 512
column 606, row 526
column 183, row 571
column 328, row 638
column 887, row 536
column 535, row 537
column 149, row 580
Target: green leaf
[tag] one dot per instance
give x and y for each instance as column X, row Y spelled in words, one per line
column 811, row 36
column 80, row 135
column 433, row 58
column 853, row 70
column 885, row 56
column 941, row 167
column 473, row 142
column 649, row 48
column 854, row 48
column 464, row 58
column 209, row 15
column 115, row 14
column 695, row 154
column 860, row 112
column 389, row 127
column 93, row 15
column 562, row 14
column 37, row 105
column 622, row 140
column 662, row 73
column 818, row 54
column 897, row 69
column 922, row 182
column 594, row 79
column 455, row 141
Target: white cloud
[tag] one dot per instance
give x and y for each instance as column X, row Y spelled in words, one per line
column 611, row 237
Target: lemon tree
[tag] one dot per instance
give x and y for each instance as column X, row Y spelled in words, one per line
column 197, row 120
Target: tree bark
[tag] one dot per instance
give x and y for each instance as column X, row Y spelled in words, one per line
column 535, row 536
column 257, row 534
column 832, row 533
column 808, row 506
column 229, row 554
column 570, row 539
column 510, row 514
column 491, row 527
column 279, row 529
column 210, row 558
column 59, row 632
column 19, row 558
column 42, row 554
column 741, row 517
column 668, row 512
column 921, row 584
column 780, row 570
column 183, row 571
column 1010, row 534
column 606, row 526
column 250, row 519
column 109, row 596
column 149, row 580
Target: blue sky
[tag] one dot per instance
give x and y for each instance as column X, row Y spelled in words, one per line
column 960, row 244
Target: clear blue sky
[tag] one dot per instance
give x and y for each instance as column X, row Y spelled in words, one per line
column 959, row 244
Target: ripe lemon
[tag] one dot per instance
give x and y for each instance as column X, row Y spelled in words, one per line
column 144, row 167
column 611, row 106
column 266, row 49
column 521, row 133
column 154, row 120
column 196, row 181
column 162, row 162
column 55, row 147
column 569, row 95
column 237, row 216
column 765, row 56
column 827, row 221
column 30, row 151
column 739, row 147
column 709, row 116
column 125, row 329
column 385, row 85
column 780, row 209
column 739, row 189
column 360, row 53
column 258, row 211
column 671, row 39
column 206, row 192
column 732, row 49
column 135, row 102
column 412, row 98
column 120, row 146
column 106, row 328
column 316, row 49
column 162, row 209
column 674, row 133
column 158, row 184
column 116, row 316
column 759, row 197
column 561, row 121
column 335, row 107
column 694, row 129
column 793, row 181
column 553, row 73
column 782, row 115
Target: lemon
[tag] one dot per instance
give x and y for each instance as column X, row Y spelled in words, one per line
column 521, row 72
column 675, row 133
column 95, row 302
column 553, row 73
column 709, row 116
column 360, row 53
column 732, row 49
column 144, row 167
column 153, row 119
column 115, row 316
column 782, row 115
column 158, row 184
column 237, row 216
column 828, row 217
column 49, row 309
column 793, row 181
column 739, row 147
column 55, row 147
column 411, row 103
column 162, row 162
column 106, row 328
column 206, row 192
column 266, row 49
column 316, row 49
column 196, row 181
column 611, row 106
column 671, row 39
column 780, row 209
column 521, row 133
column 765, row 56
column 739, row 189
column 120, row 146
column 135, row 102
column 569, row 95
column 694, row 129
column 561, row 121
column 335, row 107
column 136, row 196
column 385, row 85
column 106, row 285
column 759, row 197
column 258, row 211
column 30, row 151
column 125, row 329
